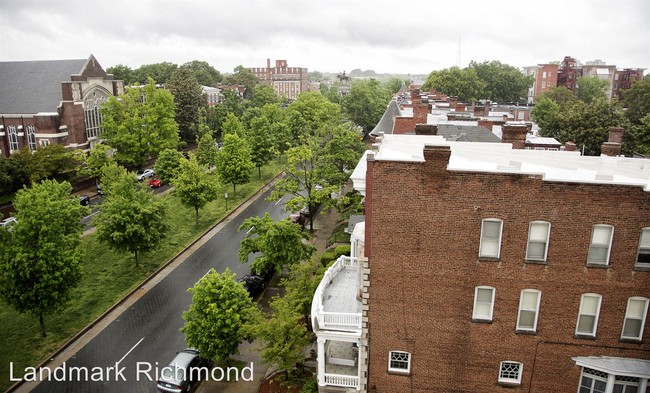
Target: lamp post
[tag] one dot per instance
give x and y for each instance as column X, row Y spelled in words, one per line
column 226, row 197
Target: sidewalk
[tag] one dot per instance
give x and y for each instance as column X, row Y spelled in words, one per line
column 323, row 226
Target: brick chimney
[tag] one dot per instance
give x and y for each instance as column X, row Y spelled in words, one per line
column 436, row 159
column 420, row 112
column 570, row 146
column 426, row 129
column 612, row 147
column 452, row 102
column 486, row 123
column 415, row 97
column 515, row 134
column 460, row 108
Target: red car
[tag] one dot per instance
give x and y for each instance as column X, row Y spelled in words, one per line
column 155, row 183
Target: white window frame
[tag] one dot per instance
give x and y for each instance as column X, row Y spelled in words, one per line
column 31, row 137
column 397, row 354
column 475, row 313
column 523, row 294
column 13, row 138
column 644, row 247
column 505, row 372
column 592, row 375
column 600, row 245
column 641, row 318
column 583, row 312
column 484, row 240
column 537, row 240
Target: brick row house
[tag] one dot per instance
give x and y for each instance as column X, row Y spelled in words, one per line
column 53, row 102
column 487, row 267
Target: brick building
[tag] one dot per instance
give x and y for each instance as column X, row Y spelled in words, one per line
column 287, row 81
column 490, row 268
column 52, row 102
column 544, row 77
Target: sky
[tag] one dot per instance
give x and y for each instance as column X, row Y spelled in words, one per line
column 400, row 37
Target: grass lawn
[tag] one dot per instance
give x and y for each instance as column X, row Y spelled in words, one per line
column 107, row 277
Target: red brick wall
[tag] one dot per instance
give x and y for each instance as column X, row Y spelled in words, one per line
column 424, row 224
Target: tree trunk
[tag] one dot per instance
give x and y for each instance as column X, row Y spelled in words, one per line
column 234, row 189
column 259, row 172
column 42, row 323
column 136, row 258
column 197, row 215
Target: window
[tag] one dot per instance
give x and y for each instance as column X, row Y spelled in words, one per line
column 510, row 372
column 544, row 75
column 399, row 361
column 624, row 384
column 13, row 139
column 44, row 142
column 93, row 117
column 592, row 381
column 637, row 307
column 528, row 310
column 31, row 138
column 643, row 255
column 483, row 303
column 601, row 241
column 538, row 233
column 588, row 314
column 490, row 238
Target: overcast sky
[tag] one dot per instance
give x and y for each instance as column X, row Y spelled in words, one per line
column 413, row 37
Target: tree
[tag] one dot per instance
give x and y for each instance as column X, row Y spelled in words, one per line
column 560, row 95
column 242, row 76
column 204, row 73
column 234, row 163
column 301, row 284
column 206, row 150
column 48, row 162
column 96, row 160
column 264, row 94
column 13, row 175
column 194, row 185
column 311, row 114
column 232, row 125
column 393, row 85
column 259, row 141
column 122, row 73
column 273, row 244
column 502, row 82
column 341, row 153
column 159, row 72
column 132, row 219
column 167, row 165
column 462, row 83
column 284, row 337
column 140, row 123
column 188, row 101
column 546, row 113
column 40, row 260
column 637, row 100
column 304, row 180
column 366, row 103
column 590, row 89
column 220, row 316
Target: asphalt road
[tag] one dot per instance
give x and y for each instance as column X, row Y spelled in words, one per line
column 146, row 337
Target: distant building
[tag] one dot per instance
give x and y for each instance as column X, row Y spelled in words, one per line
column 287, row 81
column 623, row 79
column 545, row 77
column 212, row 94
column 53, row 102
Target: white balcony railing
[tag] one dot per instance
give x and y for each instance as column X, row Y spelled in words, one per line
column 334, row 320
column 348, row 381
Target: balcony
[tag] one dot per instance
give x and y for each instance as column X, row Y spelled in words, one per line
column 335, row 306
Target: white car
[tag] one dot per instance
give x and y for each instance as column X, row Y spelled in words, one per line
column 8, row 223
column 144, row 174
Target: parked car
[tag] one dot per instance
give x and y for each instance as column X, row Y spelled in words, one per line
column 154, row 182
column 253, row 284
column 144, row 174
column 84, row 200
column 182, row 373
column 99, row 190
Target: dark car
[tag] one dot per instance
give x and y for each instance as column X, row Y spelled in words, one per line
column 183, row 372
column 253, row 284
column 84, row 200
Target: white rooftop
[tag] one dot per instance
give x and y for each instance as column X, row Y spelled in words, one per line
column 638, row 368
column 501, row 158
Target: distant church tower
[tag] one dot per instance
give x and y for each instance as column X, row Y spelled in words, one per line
column 344, row 84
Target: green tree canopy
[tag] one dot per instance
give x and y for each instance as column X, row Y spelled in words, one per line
column 273, row 244
column 206, row 149
column 188, row 102
column 220, row 317
column 13, row 175
column 463, row 83
column 122, row 73
column 242, row 76
column 204, row 73
column 167, row 165
column 341, row 153
column 232, row 125
column 264, row 94
column 98, row 157
column 590, row 89
column 311, row 114
column 40, row 259
column 259, row 140
column 159, row 72
column 366, row 103
column 132, row 219
column 502, row 82
column 48, row 162
column 234, row 163
column 637, row 100
column 140, row 123
column 194, row 185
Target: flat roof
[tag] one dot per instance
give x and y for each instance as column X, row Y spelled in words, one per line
column 502, row 158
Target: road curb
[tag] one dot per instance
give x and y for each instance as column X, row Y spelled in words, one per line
column 92, row 324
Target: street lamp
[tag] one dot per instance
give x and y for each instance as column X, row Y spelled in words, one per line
column 226, row 197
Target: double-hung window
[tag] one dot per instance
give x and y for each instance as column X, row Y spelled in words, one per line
column 538, row 233
column 601, row 242
column 510, row 372
column 483, row 303
column 528, row 310
column 588, row 314
column 643, row 254
column 399, row 361
column 637, row 309
column 490, row 238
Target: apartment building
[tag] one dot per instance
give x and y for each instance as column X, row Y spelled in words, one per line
column 287, row 81
column 53, row 102
column 544, row 77
column 487, row 267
